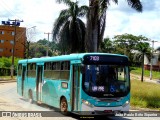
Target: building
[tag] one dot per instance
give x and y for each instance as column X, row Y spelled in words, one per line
column 7, row 34
column 155, row 62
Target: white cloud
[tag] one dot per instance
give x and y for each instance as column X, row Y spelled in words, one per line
column 122, row 19
column 39, row 13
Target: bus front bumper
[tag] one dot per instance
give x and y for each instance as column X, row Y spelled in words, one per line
column 92, row 110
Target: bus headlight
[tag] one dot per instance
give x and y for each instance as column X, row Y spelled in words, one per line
column 87, row 103
column 125, row 104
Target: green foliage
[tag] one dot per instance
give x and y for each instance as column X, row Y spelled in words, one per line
column 125, row 44
column 5, row 64
column 43, row 42
column 143, row 49
column 37, row 50
column 137, row 71
column 107, row 46
column 145, row 95
column 128, row 42
column 69, row 29
column 96, row 21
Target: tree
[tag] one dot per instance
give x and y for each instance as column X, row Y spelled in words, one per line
column 5, row 64
column 107, row 46
column 143, row 49
column 38, row 50
column 69, row 29
column 126, row 44
column 43, row 41
column 96, row 21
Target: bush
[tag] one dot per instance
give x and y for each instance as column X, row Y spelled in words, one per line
column 144, row 94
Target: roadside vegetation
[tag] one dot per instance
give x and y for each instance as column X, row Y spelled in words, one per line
column 138, row 71
column 145, row 95
column 5, row 64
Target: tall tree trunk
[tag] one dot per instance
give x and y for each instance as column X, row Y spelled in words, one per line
column 92, row 27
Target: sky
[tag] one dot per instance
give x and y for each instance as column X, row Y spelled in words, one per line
column 120, row 19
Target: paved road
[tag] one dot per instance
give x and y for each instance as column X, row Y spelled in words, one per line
column 11, row 101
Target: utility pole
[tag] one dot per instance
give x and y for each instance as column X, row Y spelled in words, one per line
column 151, row 65
column 47, row 43
column 15, row 24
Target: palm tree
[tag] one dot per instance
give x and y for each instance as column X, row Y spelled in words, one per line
column 69, row 29
column 97, row 19
column 143, row 49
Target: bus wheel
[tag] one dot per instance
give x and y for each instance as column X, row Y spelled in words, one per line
column 64, row 106
column 30, row 96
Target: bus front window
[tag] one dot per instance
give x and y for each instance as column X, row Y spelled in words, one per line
column 106, row 80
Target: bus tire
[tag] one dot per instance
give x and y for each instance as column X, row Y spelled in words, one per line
column 30, row 95
column 64, row 106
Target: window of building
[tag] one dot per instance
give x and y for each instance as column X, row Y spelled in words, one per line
column 11, row 50
column 1, row 41
column 2, row 32
column 12, row 42
column 12, row 33
column 1, row 49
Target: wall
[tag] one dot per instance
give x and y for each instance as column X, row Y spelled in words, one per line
column 7, row 41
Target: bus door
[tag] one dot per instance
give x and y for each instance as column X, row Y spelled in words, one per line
column 23, row 78
column 39, row 83
column 76, row 87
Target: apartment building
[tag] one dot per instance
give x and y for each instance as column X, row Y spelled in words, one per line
column 7, row 34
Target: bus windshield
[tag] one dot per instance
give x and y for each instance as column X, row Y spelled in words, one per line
column 105, row 80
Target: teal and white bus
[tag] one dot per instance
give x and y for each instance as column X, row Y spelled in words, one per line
column 96, row 83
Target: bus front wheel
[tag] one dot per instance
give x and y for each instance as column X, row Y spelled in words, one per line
column 64, row 106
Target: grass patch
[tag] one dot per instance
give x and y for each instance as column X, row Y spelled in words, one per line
column 7, row 77
column 145, row 95
column 138, row 71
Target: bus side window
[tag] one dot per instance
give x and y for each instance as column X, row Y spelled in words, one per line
column 19, row 69
column 28, row 66
column 64, row 72
column 62, row 65
column 53, row 66
column 58, row 66
column 65, row 65
column 48, row 66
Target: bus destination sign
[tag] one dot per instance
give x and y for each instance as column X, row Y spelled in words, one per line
column 105, row 59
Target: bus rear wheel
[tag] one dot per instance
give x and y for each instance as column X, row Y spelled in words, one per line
column 64, row 106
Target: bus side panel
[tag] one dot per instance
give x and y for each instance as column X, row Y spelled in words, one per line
column 50, row 93
column 19, row 84
column 21, row 78
column 30, row 84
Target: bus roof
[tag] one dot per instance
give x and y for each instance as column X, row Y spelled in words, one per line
column 75, row 56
